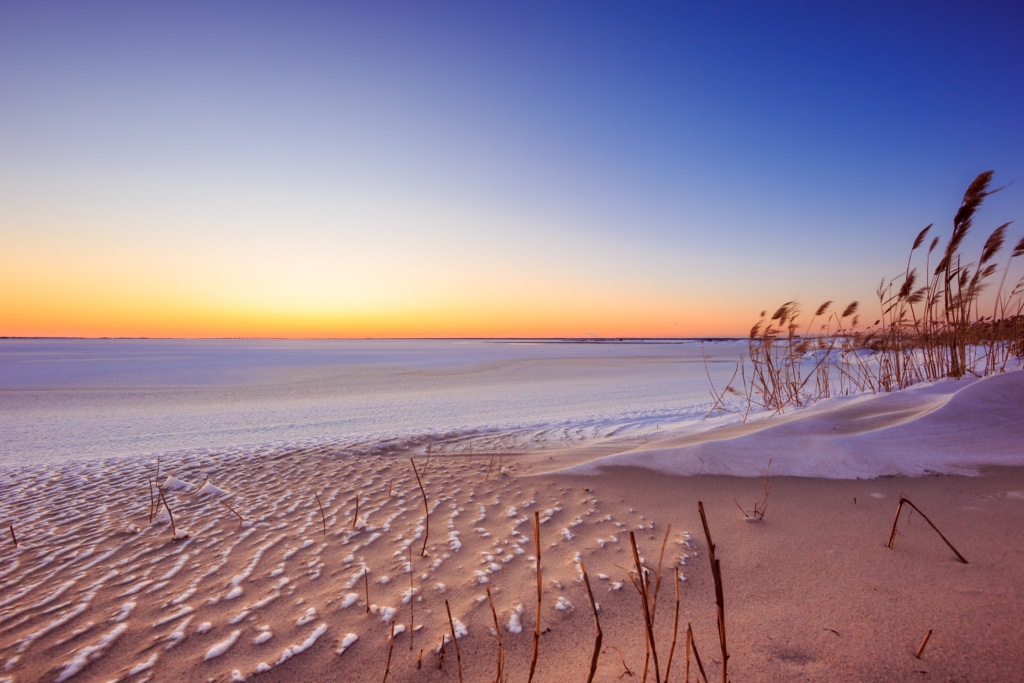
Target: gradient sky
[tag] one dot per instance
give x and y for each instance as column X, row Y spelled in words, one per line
column 486, row 169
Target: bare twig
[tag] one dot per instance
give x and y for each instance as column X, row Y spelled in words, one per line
column 222, row 502
column 426, row 509
column 322, row 516
column 892, row 536
column 174, row 531
column 13, row 537
column 540, row 588
column 455, row 640
column 598, row 634
column 355, row 515
column 924, row 642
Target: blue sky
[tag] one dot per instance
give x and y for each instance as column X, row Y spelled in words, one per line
column 691, row 163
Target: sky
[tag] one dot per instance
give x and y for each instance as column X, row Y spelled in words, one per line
column 466, row 169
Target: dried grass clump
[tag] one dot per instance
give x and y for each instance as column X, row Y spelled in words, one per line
column 925, row 331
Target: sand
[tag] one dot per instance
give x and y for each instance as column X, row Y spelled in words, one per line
column 96, row 592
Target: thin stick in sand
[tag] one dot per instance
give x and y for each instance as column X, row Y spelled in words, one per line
column 174, row 531
column 675, row 629
column 598, row 634
column 924, row 642
column 657, row 579
column 240, row 518
column 696, row 655
column 451, row 624
column 892, row 536
column 152, row 499
column 540, row 588
column 412, row 601
column 355, row 515
column 366, row 586
column 13, row 537
column 426, row 508
column 391, row 646
column 499, row 674
column 322, row 516
column 644, row 598
column 716, row 573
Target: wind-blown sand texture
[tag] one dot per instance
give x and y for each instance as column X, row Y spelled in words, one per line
column 94, row 592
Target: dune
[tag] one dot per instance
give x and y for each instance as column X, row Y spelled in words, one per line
column 948, row 427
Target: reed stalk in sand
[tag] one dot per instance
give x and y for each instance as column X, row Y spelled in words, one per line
column 174, row 531
column 13, row 537
column 412, row 600
column 892, row 536
column 323, row 517
column 152, row 500
column 716, row 573
column 455, row 640
column 366, row 587
column 924, row 642
column 499, row 671
column 540, row 589
column 240, row 518
column 644, row 599
column 426, row 508
column 598, row 633
column 696, row 655
column 675, row 629
column 355, row 515
column 391, row 647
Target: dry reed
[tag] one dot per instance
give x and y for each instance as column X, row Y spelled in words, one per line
column 355, row 515
column 426, row 508
column 892, row 535
column 716, row 573
column 152, row 500
column 926, row 332
column 323, row 517
column 924, row 642
column 412, row 600
column 455, row 640
column 645, row 601
column 675, row 629
column 499, row 671
column 13, row 537
column 598, row 633
column 540, row 589
column 240, row 518
column 366, row 587
column 391, row 647
column 174, row 531
column 696, row 655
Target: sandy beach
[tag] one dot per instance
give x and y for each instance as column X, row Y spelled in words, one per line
column 259, row 584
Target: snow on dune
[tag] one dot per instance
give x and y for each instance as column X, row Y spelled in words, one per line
column 950, row 426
